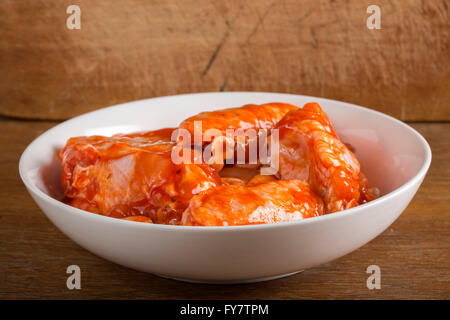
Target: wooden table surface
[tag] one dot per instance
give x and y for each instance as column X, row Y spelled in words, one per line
column 413, row 253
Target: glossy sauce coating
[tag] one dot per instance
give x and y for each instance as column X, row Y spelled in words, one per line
column 310, row 150
column 130, row 175
column 138, row 219
column 239, row 121
column 250, row 116
column 133, row 177
column 266, row 202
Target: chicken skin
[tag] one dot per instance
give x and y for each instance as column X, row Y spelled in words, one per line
column 230, row 134
column 131, row 175
column 266, row 202
column 310, row 150
column 250, row 116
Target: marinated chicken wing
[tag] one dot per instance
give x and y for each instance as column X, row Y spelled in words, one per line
column 310, row 150
column 240, row 119
column 250, row 116
column 131, row 175
column 266, row 202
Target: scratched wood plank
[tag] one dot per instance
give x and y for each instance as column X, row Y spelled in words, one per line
column 413, row 253
column 138, row 49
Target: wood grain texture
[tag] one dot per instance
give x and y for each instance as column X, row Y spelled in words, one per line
column 138, row 49
column 413, row 253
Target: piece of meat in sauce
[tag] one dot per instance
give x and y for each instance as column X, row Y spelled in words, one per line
column 239, row 120
column 257, row 203
column 250, row 116
column 310, row 150
column 131, row 175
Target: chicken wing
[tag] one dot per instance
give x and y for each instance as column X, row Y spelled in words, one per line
column 266, row 202
column 213, row 129
column 250, row 116
column 131, row 175
column 310, row 150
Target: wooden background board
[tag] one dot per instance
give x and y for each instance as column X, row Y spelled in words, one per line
column 413, row 253
column 135, row 49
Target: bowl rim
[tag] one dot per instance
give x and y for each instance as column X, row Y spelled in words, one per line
column 152, row 226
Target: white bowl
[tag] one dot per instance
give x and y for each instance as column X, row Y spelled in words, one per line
column 394, row 157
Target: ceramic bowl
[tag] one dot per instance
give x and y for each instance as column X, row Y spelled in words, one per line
column 393, row 156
